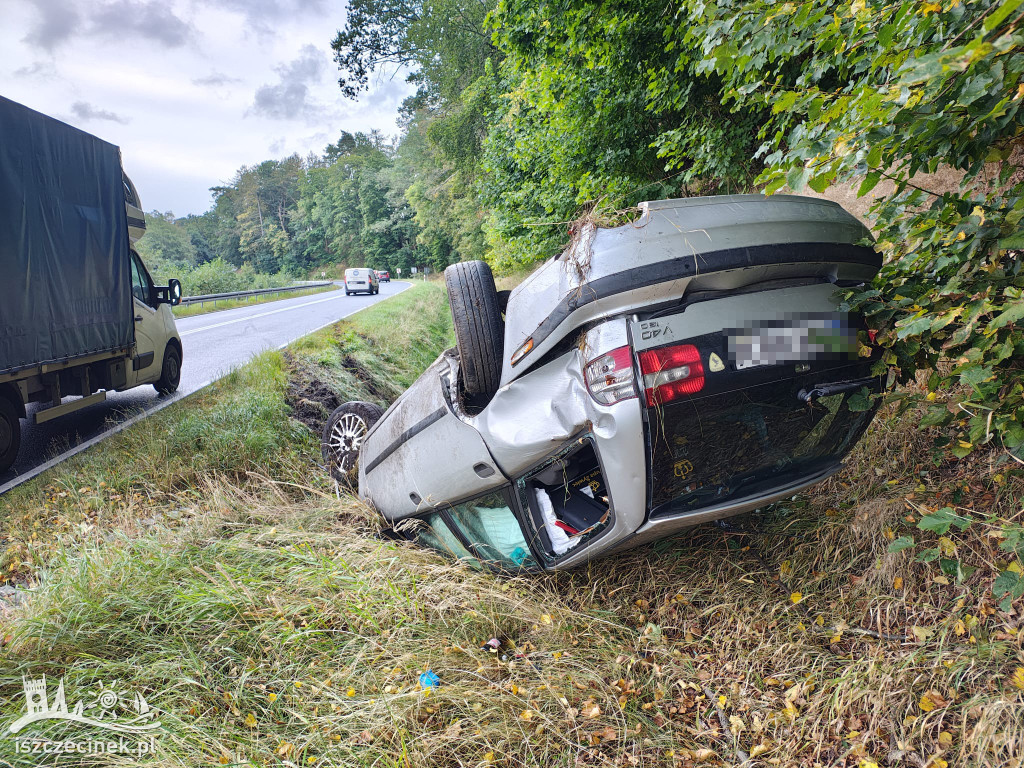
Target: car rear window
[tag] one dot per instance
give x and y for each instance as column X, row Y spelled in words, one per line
column 737, row 443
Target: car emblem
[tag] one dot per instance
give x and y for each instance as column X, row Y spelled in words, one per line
column 715, row 363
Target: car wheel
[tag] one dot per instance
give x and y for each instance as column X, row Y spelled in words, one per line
column 10, row 434
column 479, row 329
column 170, row 373
column 343, row 437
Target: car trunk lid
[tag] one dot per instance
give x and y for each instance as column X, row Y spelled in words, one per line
column 749, row 392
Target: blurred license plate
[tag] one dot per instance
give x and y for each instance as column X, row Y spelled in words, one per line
column 803, row 338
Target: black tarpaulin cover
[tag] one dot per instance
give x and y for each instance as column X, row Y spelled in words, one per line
column 64, row 253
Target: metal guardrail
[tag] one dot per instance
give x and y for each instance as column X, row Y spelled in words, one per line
column 215, row 297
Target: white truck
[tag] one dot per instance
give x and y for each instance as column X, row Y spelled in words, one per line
column 79, row 313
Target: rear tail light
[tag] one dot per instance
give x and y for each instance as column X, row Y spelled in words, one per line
column 671, row 372
column 610, row 377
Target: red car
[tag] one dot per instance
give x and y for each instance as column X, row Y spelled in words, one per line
column 384, row 276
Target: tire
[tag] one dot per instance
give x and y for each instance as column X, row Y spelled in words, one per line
column 479, row 329
column 348, row 293
column 170, row 371
column 343, row 436
column 10, row 434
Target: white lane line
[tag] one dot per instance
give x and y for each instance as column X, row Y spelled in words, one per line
column 253, row 317
column 40, row 468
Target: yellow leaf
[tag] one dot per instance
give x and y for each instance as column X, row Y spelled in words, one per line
column 937, row 762
column 1017, row 678
column 527, row 714
column 897, row 583
column 867, row 762
column 272, row 697
column 489, row 757
column 930, row 397
column 932, row 700
column 941, row 580
column 1015, row 567
column 930, row 8
column 350, row 692
column 858, row 6
column 945, row 740
column 786, row 568
column 758, row 749
column 946, row 546
column 545, row 618
column 284, row 749
column 224, row 760
column 250, row 720
column 796, row 597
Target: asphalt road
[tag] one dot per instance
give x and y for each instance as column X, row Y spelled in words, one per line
column 212, row 344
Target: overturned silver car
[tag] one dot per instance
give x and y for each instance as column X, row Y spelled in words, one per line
column 682, row 368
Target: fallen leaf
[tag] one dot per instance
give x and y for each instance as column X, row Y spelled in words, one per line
column 1017, row 678
column 932, row 700
column 897, row 583
column 590, row 710
column 796, row 597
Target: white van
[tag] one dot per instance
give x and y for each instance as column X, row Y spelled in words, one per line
column 361, row 279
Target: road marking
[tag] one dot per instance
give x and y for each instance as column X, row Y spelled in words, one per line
column 261, row 314
column 160, row 405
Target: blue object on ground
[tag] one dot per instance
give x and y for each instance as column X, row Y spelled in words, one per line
column 429, row 680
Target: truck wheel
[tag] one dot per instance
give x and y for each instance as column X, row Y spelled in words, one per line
column 170, row 373
column 479, row 329
column 10, row 434
column 343, row 437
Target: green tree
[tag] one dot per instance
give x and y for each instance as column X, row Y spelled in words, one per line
column 875, row 90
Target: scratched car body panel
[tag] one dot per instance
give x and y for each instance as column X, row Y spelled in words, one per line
column 686, row 367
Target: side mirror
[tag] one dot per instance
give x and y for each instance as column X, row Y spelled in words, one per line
column 173, row 292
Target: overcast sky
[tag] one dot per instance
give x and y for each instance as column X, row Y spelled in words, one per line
column 190, row 90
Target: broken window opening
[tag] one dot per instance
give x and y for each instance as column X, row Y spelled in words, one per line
column 567, row 500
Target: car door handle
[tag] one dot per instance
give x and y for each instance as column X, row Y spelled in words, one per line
column 138, row 318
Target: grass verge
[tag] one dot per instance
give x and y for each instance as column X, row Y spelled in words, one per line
column 269, row 626
column 205, row 309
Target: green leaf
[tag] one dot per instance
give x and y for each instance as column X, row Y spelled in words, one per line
column 859, row 401
column 875, row 156
column 870, row 180
column 797, row 178
column 903, row 542
column 1007, row 316
column 928, row 555
column 914, row 327
column 1005, row 583
column 940, row 521
column 1000, row 15
column 821, row 182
